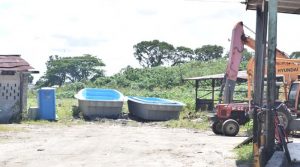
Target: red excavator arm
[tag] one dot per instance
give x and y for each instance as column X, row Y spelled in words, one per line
column 235, row 57
column 238, row 40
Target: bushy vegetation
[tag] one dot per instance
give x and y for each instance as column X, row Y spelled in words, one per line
column 161, row 77
column 164, row 82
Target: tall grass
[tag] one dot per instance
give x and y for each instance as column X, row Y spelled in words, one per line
column 64, row 108
column 245, row 154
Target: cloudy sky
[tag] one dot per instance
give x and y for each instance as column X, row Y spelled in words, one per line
column 108, row 29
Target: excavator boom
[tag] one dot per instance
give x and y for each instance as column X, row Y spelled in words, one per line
column 235, row 57
column 284, row 66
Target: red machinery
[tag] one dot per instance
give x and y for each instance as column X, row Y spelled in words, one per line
column 230, row 115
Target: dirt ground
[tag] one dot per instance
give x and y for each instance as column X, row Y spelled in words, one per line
column 96, row 144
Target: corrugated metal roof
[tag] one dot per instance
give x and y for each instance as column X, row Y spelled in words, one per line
column 241, row 75
column 13, row 63
column 284, row 6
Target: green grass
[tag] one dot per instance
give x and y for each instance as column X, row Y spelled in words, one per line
column 247, row 129
column 64, row 108
column 244, row 154
column 36, row 122
column 31, row 101
column 9, row 128
column 63, row 111
column 190, row 120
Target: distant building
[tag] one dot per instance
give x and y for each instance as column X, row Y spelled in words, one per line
column 14, row 72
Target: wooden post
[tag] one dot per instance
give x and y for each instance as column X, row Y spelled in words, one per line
column 271, row 82
column 259, row 69
column 196, row 89
column 23, row 94
column 259, row 78
column 213, row 84
column 21, row 91
column 222, row 89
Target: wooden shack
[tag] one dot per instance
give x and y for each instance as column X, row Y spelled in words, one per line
column 14, row 73
column 215, row 81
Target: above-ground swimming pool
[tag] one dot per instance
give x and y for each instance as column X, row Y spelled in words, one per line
column 95, row 102
column 153, row 108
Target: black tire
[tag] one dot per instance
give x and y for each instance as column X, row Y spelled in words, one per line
column 230, row 127
column 284, row 117
column 284, row 144
column 217, row 128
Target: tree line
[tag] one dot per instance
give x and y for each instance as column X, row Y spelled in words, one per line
column 156, row 53
column 148, row 53
column 61, row 70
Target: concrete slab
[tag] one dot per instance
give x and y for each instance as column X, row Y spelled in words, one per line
column 277, row 160
column 294, row 149
column 295, row 165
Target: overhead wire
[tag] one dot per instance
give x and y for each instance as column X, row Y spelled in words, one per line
column 249, row 29
column 221, row 1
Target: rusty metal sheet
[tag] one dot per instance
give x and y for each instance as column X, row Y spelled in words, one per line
column 10, row 61
column 21, row 68
column 284, row 6
column 241, row 75
column 13, row 63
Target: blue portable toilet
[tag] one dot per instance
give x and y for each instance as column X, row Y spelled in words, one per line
column 46, row 103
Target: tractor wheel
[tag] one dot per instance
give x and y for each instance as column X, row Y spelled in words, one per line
column 230, row 127
column 217, row 127
column 284, row 117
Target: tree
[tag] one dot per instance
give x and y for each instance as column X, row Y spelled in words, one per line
column 30, row 78
column 295, row 55
column 83, row 67
column 73, row 69
column 56, row 71
column 208, row 52
column 152, row 53
column 181, row 55
column 246, row 55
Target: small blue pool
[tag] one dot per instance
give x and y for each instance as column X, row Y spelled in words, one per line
column 153, row 108
column 154, row 100
column 96, row 94
column 96, row 102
